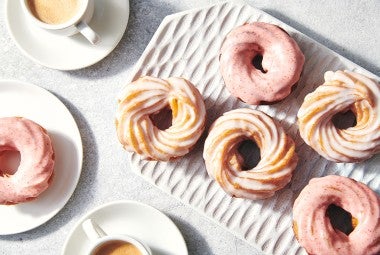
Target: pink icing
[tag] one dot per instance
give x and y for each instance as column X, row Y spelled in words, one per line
column 313, row 228
column 37, row 160
column 282, row 60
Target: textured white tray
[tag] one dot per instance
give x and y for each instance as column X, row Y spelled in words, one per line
column 187, row 44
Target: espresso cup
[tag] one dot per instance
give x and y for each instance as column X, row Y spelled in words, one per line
column 64, row 18
column 104, row 244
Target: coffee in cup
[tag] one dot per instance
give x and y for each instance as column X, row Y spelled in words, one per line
column 109, row 244
column 53, row 11
column 117, row 248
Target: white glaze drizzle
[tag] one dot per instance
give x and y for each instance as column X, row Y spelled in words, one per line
column 340, row 92
column 147, row 96
column 224, row 163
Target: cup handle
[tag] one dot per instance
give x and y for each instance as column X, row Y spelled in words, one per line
column 92, row 230
column 87, row 32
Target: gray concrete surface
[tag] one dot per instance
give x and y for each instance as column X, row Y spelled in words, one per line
column 351, row 28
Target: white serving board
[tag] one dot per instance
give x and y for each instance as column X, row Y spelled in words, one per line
column 187, row 44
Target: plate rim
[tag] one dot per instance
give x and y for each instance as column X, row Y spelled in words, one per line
column 79, row 153
column 55, row 66
column 113, row 203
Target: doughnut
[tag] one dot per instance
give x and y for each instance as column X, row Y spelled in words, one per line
column 282, row 62
column 147, row 96
column 224, row 162
column 312, row 226
column 342, row 91
column 35, row 171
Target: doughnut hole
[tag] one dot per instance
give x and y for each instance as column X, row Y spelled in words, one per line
column 163, row 118
column 9, row 162
column 340, row 219
column 344, row 120
column 250, row 153
column 257, row 62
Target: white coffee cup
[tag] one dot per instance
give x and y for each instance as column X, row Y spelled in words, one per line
column 99, row 238
column 78, row 23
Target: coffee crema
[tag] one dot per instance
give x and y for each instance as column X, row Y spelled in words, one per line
column 53, row 11
column 117, row 248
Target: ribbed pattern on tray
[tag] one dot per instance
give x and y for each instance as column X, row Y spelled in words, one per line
column 187, row 44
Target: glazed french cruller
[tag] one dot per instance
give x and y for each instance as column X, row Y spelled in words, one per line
column 312, row 226
column 224, row 162
column 342, row 91
column 147, row 96
column 35, row 171
column 282, row 62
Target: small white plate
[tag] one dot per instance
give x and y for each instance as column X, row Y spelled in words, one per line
column 35, row 103
column 69, row 53
column 132, row 218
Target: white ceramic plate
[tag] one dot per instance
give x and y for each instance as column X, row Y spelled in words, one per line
column 187, row 44
column 132, row 218
column 68, row 53
column 30, row 101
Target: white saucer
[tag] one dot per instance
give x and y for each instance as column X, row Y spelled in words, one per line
column 139, row 220
column 68, row 53
column 30, row 101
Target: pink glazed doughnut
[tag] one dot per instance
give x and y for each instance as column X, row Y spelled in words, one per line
column 282, row 62
column 313, row 228
column 34, row 173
